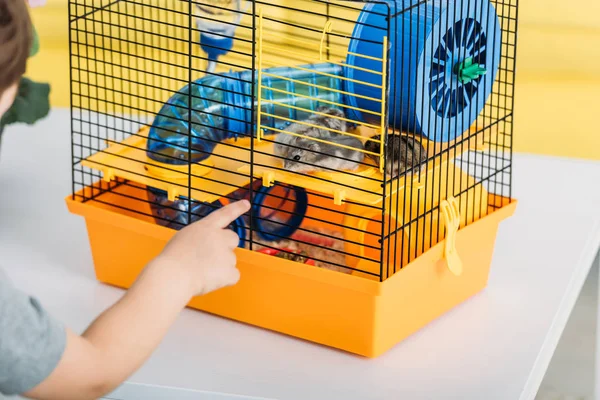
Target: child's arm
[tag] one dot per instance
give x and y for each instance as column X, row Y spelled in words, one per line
column 198, row 260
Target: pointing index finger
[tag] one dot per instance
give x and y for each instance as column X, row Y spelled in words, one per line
column 222, row 217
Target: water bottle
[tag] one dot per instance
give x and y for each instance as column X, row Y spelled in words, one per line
column 217, row 21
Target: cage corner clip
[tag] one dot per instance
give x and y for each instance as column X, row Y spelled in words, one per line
column 172, row 193
column 339, row 196
column 450, row 210
column 268, row 178
column 108, row 174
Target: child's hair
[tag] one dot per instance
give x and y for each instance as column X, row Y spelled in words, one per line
column 16, row 36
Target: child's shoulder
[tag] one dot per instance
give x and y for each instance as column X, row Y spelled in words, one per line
column 31, row 341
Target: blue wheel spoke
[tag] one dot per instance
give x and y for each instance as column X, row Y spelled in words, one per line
column 440, row 102
column 441, row 86
column 466, row 32
column 436, row 69
column 475, row 40
column 469, row 36
column 478, row 51
column 437, row 73
column 448, row 104
column 440, row 108
column 466, row 96
column 441, row 63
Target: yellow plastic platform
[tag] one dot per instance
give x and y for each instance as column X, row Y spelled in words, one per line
column 229, row 168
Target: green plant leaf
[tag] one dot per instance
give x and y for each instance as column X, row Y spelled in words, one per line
column 35, row 45
column 31, row 104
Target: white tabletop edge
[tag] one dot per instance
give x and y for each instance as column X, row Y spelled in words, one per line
column 584, row 265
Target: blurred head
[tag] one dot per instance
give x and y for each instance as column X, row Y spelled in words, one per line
column 16, row 36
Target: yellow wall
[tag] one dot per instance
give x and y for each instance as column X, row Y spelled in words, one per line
column 558, row 78
column 51, row 64
column 557, row 106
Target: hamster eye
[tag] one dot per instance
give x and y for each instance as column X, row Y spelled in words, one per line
column 297, row 157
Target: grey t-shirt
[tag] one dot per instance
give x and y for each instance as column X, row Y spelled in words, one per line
column 31, row 342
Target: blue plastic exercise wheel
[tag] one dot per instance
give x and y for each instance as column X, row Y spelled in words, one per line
column 444, row 57
column 174, row 214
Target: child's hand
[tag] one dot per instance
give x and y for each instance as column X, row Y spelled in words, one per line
column 204, row 250
column 197, row 260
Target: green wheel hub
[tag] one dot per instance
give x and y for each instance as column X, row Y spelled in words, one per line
column 468, row 70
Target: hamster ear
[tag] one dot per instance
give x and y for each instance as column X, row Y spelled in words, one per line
column 336, row 112
column 339, row 113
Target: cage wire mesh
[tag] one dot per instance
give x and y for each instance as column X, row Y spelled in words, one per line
column 347, row 124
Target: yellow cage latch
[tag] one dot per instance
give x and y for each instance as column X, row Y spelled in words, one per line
column 450, row 210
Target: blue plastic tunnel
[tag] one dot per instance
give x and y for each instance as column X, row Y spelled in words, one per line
column 278, row 210
column 221, row 108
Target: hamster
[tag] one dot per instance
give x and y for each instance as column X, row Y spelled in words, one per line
column 402, row 153
column 317, row 156
column 331, row 122
column 301, row 154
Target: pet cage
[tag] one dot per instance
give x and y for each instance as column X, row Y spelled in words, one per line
column 179, row 107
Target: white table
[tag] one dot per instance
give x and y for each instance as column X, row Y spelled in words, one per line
column 495, row 346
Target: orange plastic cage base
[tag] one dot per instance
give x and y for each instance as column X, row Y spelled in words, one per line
column 348, row 312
